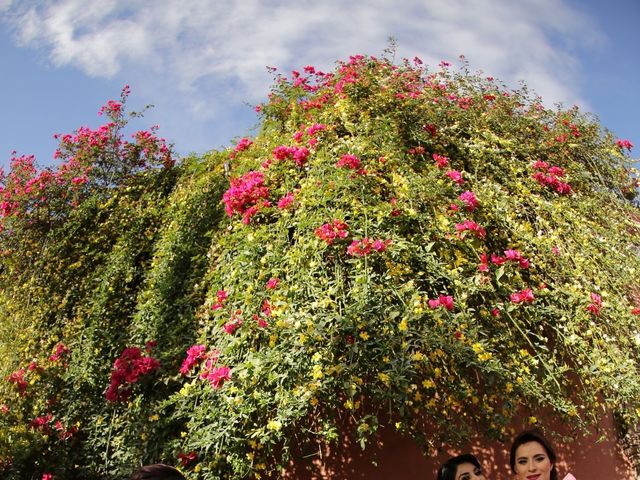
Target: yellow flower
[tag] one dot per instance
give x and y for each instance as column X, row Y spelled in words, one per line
column 364, row 336
column 418, row 356
column 403, row 326
column 274, row 425
column 428, row 383
column 384, row 378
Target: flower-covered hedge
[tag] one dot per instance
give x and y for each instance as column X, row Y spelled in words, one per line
column 396, row 246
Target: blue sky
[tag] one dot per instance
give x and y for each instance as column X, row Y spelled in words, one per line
column 202, row 63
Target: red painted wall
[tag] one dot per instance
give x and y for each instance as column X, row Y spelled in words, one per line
column 397, row 457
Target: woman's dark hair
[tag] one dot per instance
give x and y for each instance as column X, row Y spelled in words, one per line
column 448, row 469
column 157, row 471
column 533, row 436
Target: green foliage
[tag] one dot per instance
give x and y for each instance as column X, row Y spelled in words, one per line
column 400, row 246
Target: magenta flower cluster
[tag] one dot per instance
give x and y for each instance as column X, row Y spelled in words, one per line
column 246, row 195
column 127, row 370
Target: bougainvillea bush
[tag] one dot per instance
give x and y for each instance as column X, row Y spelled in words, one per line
column 397, row 246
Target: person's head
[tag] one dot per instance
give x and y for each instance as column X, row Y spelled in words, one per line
column 531, row 454
column 157, row 471
column 462, row 467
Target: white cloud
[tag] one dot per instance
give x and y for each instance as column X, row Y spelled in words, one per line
column 204, row 57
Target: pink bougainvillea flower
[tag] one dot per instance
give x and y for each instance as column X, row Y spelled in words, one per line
column 262, row 323
column 273, row 283
column 349, row 161
column 470, row 226
column 47, row 476
column 298, row 154
column 216, row 376
column 524, row 296
column 469, row 199
column 221, row 296
column 246, row 195
column 622, row 144
column 127, row 370
column 441, row 160
column 455, row 175
column 17, row 378
column 596, row 304
column 483, row 266
column 550, row 176
column 360, row 248
column 61, row 350
column 444, row 301
column 286, row 201
column 195, row 354
column 330, row 231
column 242, row 145
column 232, row 325
column 495, row 312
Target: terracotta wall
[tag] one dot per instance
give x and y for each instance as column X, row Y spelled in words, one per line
column 592, row 457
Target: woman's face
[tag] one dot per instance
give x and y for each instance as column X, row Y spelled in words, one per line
column 532, row 462
column 468, row 471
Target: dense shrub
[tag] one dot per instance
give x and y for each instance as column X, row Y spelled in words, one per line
column 396, row 246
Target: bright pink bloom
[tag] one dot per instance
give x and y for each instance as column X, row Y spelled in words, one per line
column 330, row 231
column 446, row 301
column 360, row 248
column 127, row 369
column 596, row 304
column 17, row 378
column 298, row 154
column 232, row 325
column 470, row 226
column 441, row 160
column 47, row 476
column 624, row 144
column 221, row 296
column 195, row 355
column 286, row 201
column 273, row 283
column 456, row 176
column 242, row 145
column 495, row 312
column 60, row 351
column 349, row 161
column 246, row 195
column 262, row 323
column 469, row 199
column 483, row 266
column 216, row 376
column 524, row 296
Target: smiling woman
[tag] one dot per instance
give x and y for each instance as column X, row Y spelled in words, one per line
column 532, row 457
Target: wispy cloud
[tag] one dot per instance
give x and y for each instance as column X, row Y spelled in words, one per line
column 203, row 58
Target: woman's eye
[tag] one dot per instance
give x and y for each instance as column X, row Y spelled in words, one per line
column 522, row 461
